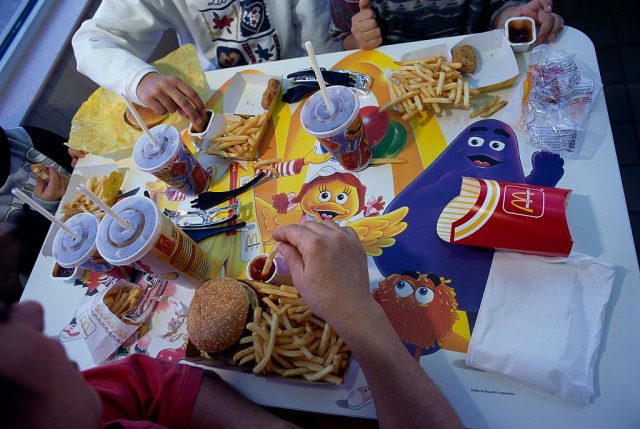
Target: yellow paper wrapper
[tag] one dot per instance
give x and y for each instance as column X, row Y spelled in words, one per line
column 98, row 126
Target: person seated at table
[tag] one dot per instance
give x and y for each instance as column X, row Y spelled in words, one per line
column 367, row 24
column 111, row 48
column 22, row 231
column 40, row 387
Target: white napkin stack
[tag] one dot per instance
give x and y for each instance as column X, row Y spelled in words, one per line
column 540, row 322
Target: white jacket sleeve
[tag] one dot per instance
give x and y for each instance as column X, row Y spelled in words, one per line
column 111, row 47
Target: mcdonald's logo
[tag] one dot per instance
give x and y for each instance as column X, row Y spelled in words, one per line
column 251, row 240
column 523, row 201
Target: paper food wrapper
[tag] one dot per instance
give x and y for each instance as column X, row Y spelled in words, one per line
column 540, row 322
column 105, row 332
column 508, row 216
column 98, row 127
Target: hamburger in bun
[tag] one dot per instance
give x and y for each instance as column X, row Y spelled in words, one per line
column 41, row 171
column 217, row 314
column 150, row 118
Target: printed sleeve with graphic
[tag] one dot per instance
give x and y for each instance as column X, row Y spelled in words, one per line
column 427, row 21
column 142, row 388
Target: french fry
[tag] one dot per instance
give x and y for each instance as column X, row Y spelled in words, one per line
column 484, row 108
column 494, row 109
column 269, row 262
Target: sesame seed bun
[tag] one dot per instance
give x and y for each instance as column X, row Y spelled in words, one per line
column 150, row 118
column 217, row 314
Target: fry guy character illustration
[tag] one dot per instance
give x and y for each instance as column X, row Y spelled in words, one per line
column 337, row 196
column 421, row 308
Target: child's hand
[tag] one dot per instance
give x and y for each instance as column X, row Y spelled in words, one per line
column 76, row 154
column 164, row 93
column 53, row 190
column 551, row 24
column 364, row 28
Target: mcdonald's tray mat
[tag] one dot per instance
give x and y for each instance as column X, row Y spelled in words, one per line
column 496, row 61
column 508, row 216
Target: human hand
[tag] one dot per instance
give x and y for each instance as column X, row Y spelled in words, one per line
column 52, row 190
column 550, row 24
column 164, row 93
column 76, row 154
column 329, row 268
column 364, row 27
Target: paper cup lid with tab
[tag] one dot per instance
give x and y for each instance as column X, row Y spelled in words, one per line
column 123, row 246
column 70, row 251
column 150, row 157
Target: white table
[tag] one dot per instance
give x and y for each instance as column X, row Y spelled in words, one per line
column 600, row 228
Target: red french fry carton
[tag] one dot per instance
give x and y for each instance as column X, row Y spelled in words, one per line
column 508, row 216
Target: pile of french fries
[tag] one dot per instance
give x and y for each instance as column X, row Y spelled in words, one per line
column 288, row 340
column 120, row 300
column 239, row 138
column 428, row 84
column 268, row 165
column 81, row 204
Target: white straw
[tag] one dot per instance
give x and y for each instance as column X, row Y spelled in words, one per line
column 318, row 72
column 139, row 120
column 93, row 197
column 37, row 207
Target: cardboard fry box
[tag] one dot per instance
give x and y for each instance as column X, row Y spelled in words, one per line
column 223, row 359
column 508, row 216
column 243, row 99
column 497, row 66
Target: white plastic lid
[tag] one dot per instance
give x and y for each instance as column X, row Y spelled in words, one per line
column 317, row 120
column 150, row 157
column 123, row 246
column 70, row 251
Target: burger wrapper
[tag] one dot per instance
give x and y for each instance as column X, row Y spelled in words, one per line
column 508, row 216
column 104, row 331
column 99, row 127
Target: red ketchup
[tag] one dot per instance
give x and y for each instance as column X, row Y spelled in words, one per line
column 255, row 269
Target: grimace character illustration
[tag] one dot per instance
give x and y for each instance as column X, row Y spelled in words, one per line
column 487, row 149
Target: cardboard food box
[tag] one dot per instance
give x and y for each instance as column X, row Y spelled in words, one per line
column 508, row 216
column 243, row 100
column 224, row 358
column 497, row 66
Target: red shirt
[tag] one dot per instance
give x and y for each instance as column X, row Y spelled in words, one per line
column 142, row 392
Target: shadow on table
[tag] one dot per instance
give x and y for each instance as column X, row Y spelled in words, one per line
column 582, row 224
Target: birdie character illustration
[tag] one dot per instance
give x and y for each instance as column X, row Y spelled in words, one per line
column 421, row 308
column 487, row 149
column 337, row 196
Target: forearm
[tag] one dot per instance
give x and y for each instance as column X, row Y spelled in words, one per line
column 404, row 395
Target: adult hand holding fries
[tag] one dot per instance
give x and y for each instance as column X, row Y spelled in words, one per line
column 365, row 31
column 329, row 268
column 551, row 24
column 164, row 93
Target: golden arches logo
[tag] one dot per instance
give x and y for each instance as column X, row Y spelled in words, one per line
column 251, row 241
column 522, row 201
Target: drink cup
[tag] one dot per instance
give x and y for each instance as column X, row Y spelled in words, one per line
column 170, row 161
column 72, row 252
column 340, row 132
column 152, row 244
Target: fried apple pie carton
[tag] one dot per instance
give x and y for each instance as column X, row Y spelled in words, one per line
column 508, row 216
column 152, row 244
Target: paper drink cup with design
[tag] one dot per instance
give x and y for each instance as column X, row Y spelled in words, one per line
column 341, row 132
column 509, row 216
column 152, row 244
column 81, row 251
column 170, row 161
